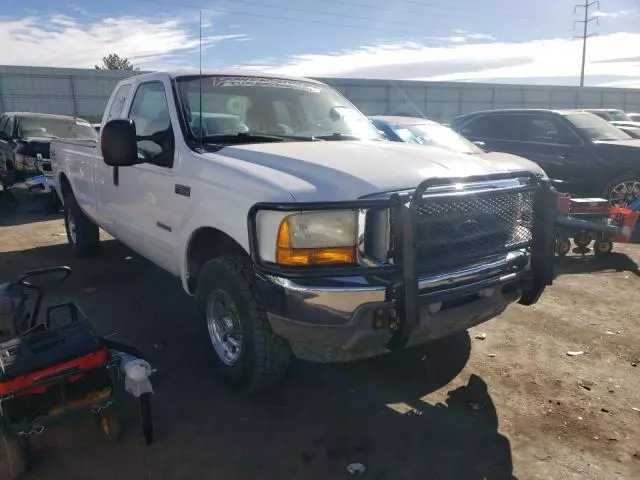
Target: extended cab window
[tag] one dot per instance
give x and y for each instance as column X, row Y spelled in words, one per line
column 150, row 112
column 119, row 99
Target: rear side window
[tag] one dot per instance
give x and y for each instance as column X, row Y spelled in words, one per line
column 119, row 99
column 496, row 127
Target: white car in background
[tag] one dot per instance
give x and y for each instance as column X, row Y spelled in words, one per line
column 420, row 131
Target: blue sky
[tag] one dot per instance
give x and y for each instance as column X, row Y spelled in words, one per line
column 469, row 40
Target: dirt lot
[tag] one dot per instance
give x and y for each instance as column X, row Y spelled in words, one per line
column 511, row 405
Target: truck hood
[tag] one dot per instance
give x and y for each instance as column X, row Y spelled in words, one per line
column 625, row 153
column 342, row 170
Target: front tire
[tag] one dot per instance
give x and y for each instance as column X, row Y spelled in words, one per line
column 82, row 234
column 248, row 355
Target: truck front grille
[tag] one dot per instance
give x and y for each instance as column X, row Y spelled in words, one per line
column 456, row 230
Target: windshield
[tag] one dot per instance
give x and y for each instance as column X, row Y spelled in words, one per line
column 252, row 106
column 595, row 128
column 435, row 135
column 51, row 127
column 618, row 116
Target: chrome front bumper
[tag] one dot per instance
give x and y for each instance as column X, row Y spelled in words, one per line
column 341, row 319
column 38, row 185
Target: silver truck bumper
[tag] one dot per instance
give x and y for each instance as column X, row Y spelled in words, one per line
column 350, row 318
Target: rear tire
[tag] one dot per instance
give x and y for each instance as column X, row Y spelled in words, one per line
column 82, row 234
column 256, row 358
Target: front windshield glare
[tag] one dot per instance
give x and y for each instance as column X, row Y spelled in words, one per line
column 595, row 128
column 437, row 136
column 235, row 105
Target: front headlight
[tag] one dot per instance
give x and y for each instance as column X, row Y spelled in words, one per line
column 317, row 238
column 24, row 162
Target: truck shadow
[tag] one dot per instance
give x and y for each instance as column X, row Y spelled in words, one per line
column 322, row 418
column 577, row 264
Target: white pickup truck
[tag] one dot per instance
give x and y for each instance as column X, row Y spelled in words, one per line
column 296, row 226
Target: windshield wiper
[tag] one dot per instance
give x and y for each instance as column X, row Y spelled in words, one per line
column 251, row 137
column 339, row 136
column 344, row 136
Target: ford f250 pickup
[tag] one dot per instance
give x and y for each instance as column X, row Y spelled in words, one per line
column 296, row 226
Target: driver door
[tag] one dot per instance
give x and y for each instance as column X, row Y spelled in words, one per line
column 145, row 208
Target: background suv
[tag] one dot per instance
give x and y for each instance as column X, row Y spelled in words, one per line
column 581, row 152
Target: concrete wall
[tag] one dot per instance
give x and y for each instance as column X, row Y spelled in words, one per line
column 66, row 91
column 443, row 101
column 85, row 93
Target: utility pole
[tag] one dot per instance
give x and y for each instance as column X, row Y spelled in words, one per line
column 585, row 34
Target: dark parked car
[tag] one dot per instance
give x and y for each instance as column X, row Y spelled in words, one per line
column 25, row 139
column 24, row 147
column 583, row 153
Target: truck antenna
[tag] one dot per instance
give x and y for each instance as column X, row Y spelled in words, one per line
column 200, row 85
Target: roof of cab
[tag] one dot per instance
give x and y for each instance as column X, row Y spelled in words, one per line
column 564, row 111
column 223, row 73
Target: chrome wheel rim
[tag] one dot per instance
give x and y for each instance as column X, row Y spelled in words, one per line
column 224, row 327
column 71, row 226
column 625, row 193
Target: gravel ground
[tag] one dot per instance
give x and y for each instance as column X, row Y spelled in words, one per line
column 511, row 405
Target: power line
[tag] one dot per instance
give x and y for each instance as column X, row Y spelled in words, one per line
column 277, row 17
column 319, row 12
column 399, row 10
column 316, row 12
column 585, row 33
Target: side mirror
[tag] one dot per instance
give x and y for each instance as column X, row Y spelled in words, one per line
column 119, row 144
column 482, row 145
